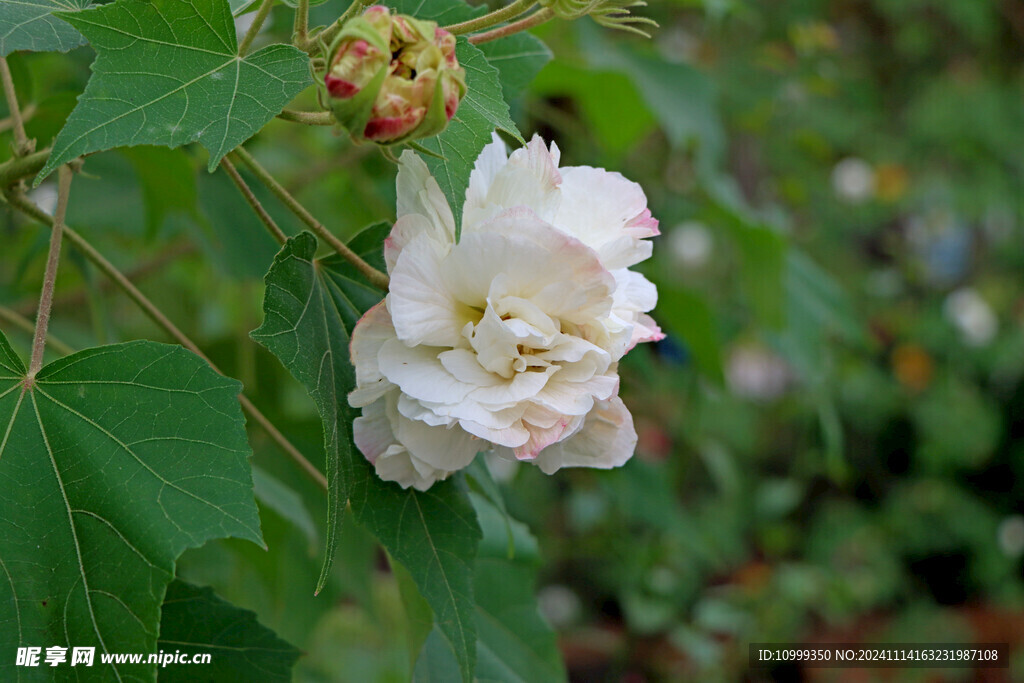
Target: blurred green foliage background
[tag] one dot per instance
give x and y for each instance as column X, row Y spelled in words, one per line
column 830, row 438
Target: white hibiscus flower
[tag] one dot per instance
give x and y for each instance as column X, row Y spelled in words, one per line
column 509, row 339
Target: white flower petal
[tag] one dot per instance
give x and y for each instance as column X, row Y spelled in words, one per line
column 372, row 431
column 599, row 208
column 518, row 255
column 372, row 330
column 399, row 466
column 465, row 367
column 419, row 373
column 576, row 398
column 606, row 440
column 519, row 388
column 422, row 309
column 423, row 411
column 492, row 159
column 633, row 291
column 542, row 437
column 529, row 178
column 512, row 436
column 444, row 448
column 419, row 193
column 645, row 330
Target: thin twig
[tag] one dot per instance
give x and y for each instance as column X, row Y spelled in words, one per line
column 535, row 19
column 250, row 198
column 18, row 320
column 80, row 296
column 310, row 118
column 324, row 166
column 254, row 29
column 22, row 145
column 376, row 278
column 499, row 15
column 282, row 441
column 50, row 276
column 18, row 201
column 301, row 29
column 9, row 122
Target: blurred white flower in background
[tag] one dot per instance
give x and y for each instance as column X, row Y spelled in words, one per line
column 676, row 45
column 559, row 605
column 690, row 244
column 757, row 373
column 853, row 180
column 1011, row 536
column 509, row 339
column 972, row 316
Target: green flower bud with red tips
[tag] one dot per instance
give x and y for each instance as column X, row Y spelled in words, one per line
column 393, row 78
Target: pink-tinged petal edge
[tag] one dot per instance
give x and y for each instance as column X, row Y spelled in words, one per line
column 643, row 225
column 340, row 88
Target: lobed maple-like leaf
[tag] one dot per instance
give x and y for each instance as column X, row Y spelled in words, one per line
column 167, row 73
column 113, row 461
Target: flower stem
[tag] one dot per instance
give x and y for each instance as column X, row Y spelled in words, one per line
column 22, row 145
column 301, row 23
column 254, row 29
column 494, row 18
column 310, row 118
column 535, row 19
column 235, row 176
column 376, row 278
column 18, row 201
column 50, row 276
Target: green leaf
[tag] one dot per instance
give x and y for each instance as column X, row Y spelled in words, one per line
column 31, row 25
column 304, row 327
column 515, row 645
column 436, row 663
column 167, row 73
column 114, row 462
column 434, row 534
column 481, row 111
column 196, row 621
column 519, row 58
column 419, row 618
column 310, row 309
column 444, row 12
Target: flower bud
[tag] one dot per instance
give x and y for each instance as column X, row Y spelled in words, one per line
column 393, row 78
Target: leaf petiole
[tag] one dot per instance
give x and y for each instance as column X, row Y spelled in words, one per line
column 50, row 277
column 536, row 19
column 502, row 14
column 254, row 28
